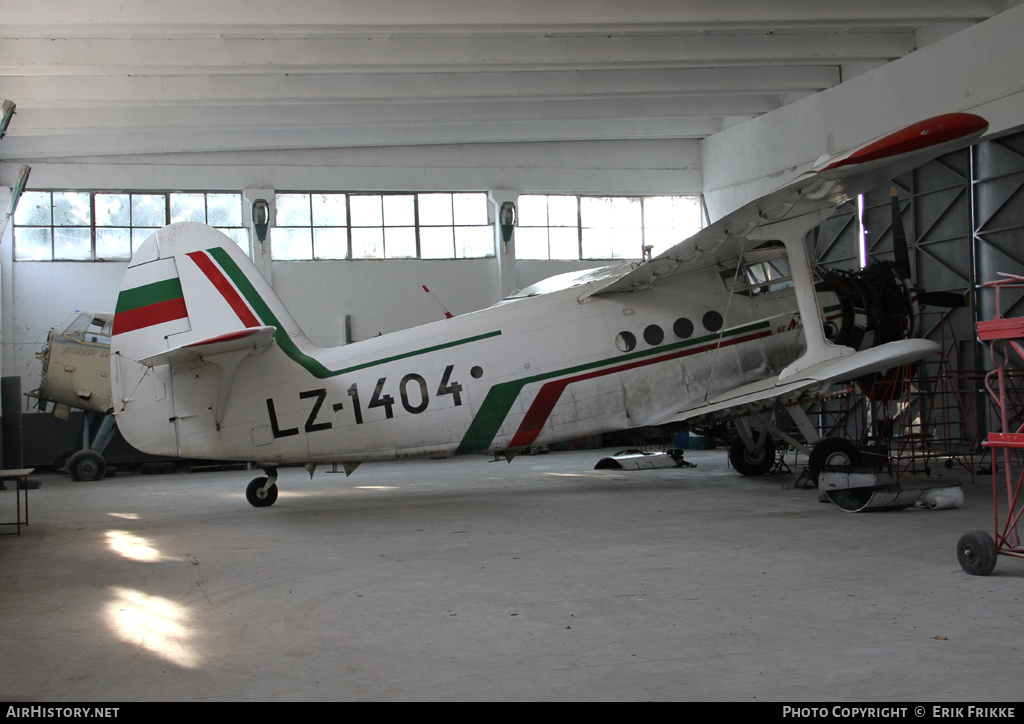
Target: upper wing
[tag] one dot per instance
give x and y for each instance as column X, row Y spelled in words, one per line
column 832, row 181
column 785, row 215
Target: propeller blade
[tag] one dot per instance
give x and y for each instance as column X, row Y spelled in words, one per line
column 952, row 300
column 900, row 253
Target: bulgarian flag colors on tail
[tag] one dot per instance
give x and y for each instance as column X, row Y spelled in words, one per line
column 155, row 297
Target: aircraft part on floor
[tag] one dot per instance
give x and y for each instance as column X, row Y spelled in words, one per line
column 856, row 491
column 637, row 460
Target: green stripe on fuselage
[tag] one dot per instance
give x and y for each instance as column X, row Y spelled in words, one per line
column 500, row 397
column 310, row 364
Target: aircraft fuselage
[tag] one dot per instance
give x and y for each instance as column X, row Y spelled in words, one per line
column 527, row 371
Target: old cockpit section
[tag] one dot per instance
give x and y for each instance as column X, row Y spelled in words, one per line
column 76, row 363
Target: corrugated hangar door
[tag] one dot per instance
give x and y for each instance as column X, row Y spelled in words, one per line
column 964, row 218
column 963, row 215
column 835, row 243
column 936, row 212
column 998, row 246
column 999, row 218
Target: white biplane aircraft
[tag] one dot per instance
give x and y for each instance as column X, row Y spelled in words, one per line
column 207, row 363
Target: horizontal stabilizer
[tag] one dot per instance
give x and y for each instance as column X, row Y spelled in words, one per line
column 250, row 338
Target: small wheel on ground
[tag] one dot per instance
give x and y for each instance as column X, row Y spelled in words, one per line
column 752, row 462
column 976, row 551
column 87, row 465
column 258, row 497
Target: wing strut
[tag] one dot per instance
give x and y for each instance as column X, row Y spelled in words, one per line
column 791, row 232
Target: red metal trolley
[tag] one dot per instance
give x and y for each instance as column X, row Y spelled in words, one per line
column 977, row 550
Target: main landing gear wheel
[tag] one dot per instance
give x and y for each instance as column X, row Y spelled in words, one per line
column 257, row 496
column 752, row 462
column 87, row 465
column 838, row 452
column 832, row 452
column 976, row 552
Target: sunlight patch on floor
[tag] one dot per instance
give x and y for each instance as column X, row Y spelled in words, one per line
column 153, row 623
column 133, row 547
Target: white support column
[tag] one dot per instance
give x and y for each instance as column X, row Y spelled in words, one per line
column 504, row 250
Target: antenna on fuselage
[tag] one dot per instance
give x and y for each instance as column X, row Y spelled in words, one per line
column 447, row 314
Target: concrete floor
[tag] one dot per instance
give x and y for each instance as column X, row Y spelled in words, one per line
column 475, row 580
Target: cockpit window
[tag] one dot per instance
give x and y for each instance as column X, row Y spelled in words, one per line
column 89, row 328
column 761, row 271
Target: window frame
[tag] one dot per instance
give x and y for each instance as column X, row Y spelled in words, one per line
column 581, row 226
column 415, row 248
column 239, row 234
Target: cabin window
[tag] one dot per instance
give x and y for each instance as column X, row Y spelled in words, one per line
column 682, row 328
column 625, row 341
column 654, row 335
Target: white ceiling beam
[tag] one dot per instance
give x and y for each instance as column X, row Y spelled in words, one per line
column 156, row 141
column 390, row 16
column 58, row 92
column 98, row 57
column 247, row 118
column 106, row 76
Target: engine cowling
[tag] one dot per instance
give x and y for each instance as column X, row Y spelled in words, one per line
column 878, row 306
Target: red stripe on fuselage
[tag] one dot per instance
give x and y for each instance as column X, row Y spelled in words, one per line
column 551, row 392
column 223, row 286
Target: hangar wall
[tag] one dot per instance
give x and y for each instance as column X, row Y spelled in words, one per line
column 39, row 295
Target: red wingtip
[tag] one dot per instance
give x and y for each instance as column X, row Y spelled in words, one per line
column 931, row 132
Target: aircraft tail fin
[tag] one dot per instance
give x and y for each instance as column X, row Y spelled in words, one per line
column 190, row 294
column 189, row 284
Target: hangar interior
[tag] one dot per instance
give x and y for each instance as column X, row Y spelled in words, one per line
column 410, row 125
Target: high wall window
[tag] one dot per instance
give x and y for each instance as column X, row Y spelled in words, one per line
column 602, row 227
column 104, row 225
column 381, row 226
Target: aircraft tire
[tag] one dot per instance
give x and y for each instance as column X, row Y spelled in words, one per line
column 836, row 451
column 60, row 462
column 87, row 466
column 258, row 499
column 976, row 552
column 747, row 462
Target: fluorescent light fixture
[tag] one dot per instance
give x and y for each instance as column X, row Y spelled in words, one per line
column 261, row 218
column 507, row 220
column 19, row 187
column 16, row 191
column 8, row 113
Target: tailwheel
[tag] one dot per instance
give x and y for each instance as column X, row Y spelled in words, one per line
column 752, row 460
column 976, row 551
column 260, row 494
